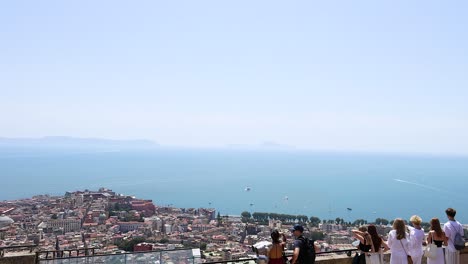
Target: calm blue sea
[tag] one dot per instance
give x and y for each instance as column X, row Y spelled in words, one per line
column 293, row 182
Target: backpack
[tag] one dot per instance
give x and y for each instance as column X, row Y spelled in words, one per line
column 307, row 252
column 458, row 241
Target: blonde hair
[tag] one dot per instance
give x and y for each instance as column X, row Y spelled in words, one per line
column 415, row 219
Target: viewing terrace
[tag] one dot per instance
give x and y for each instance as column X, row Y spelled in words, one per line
column 187, row 256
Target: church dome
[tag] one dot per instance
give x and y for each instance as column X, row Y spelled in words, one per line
column 103, row 216
column 5, row 221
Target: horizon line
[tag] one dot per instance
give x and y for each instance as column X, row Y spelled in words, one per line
column 269, row 145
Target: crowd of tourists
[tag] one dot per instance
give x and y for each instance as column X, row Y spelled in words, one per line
column 409, row 243
column 406, row 243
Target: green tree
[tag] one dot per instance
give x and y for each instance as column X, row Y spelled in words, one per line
column 256, row 216
column 302, row 218
column 273, row 216
column 316, row 235
column 381, row 221
column 246, row 214
column 292, row 218
column 128, row 245
column 359, row 222
column 219, row 219
column 314, row 221
column 260, row 217
column 264, row 217
column 203, row 246
column 282, row 218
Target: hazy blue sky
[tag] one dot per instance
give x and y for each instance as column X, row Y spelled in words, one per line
column 340, row 75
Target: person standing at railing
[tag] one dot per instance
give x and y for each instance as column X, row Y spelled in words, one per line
column 416, row 239
column 375, row 255
column 451, row 228
column 304, row 253
column 276, row 252
column 436, row 236
column 365, row 243
column 364, row 238
column 398, row 243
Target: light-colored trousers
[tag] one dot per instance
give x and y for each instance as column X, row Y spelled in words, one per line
column 452, row 257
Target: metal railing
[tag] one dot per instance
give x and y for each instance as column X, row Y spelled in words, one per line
column 7, row 248
column 65, row 253
column 184, row 256
column 348, row 252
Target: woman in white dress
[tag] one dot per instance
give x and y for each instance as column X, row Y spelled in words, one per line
column 398, row 243
column 416, row 239
column 375, row 256
column 437, row 236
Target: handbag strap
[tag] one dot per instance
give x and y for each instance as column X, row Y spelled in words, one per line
column 403, row 247
column 454, row 226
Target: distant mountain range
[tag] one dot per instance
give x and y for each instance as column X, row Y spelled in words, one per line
column 73, row 142
column 59, row 142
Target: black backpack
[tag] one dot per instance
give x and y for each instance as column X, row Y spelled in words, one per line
column 307, row 252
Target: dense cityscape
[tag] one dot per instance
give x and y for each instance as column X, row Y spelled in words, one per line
column 112, row 223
